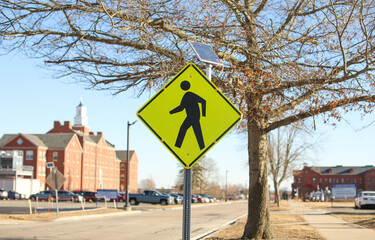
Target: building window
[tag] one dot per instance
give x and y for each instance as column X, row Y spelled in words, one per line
column 330, row 180
column 299, row 180
column 122, row 166
column 314, row 180
column 320, row 180
column 342, row 180
column 122, row 177
column 55, row 156
column 29, row 155
column 41, row 171
column 326, row 180
column 42, row 156
column 355, row 180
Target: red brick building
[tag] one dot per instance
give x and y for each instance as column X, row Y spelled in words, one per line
column 87, row 160
column 316, row 178
column 133, row 171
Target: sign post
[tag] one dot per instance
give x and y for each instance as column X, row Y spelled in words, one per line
column 189, row 115
column 186, row 205
column 55, row 180
column 56, row 191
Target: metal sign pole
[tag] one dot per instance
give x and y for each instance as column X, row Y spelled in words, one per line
column 187, row 205
column 56, row 192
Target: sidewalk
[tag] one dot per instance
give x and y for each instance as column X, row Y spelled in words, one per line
column 329, row 227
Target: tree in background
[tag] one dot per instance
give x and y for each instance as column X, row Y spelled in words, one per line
column 286, row 149
column 147, row 184
column 203, row 173
column 284, row 61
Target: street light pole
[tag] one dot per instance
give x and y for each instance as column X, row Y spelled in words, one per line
column 226, row 185
column 127, row 207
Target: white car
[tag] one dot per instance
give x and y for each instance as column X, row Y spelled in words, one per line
column 365, row 199
column 3, row 194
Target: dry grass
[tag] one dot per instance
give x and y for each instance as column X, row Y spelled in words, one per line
column 328, row 205
column 52, row 215
column 364, row 220
column 284, row 206
column 284, row 226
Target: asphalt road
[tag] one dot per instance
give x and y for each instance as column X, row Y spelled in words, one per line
column 157, row 224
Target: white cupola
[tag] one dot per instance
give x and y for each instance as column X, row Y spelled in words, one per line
column 81, row 115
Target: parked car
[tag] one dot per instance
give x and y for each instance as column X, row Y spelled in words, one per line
column 41, row 196
column 365, row 199
column 208, row 198
column 68, row 196
column 194, row 199
column 14, row 195
column 199, row 198
column 3, row 194
column 63, row 196
column 121, row 197
column 87, row 195
column 177, row 198
column 149, row 196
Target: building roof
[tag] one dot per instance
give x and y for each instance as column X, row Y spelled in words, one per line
column 342, row 170
column 30, row 137
column 6, row 138
column 121, row 154
column 52, row 140
column 56, row 140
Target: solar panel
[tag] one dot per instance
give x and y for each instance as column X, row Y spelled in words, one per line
column 205, row 53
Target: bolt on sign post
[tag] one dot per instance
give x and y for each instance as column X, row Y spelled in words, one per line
column 189, row 115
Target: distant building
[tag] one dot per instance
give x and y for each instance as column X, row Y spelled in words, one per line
column 316, row 178
column 87, row 160
column 14, row 175
column 133, row 171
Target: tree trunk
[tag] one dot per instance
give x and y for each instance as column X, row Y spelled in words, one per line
column 258, row 224
column 277, row 192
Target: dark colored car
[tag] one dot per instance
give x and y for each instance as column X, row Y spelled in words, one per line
column 13, row 195
column 63, row 196
column 41, row 196
column 87, row 195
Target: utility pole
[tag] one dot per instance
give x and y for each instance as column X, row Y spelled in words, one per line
column 127, row 207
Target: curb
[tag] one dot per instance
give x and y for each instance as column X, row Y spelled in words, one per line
column 215, row 230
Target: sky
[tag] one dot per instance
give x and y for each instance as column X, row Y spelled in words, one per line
column 31, row 100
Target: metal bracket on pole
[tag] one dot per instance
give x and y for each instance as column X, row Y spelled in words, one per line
column 209, row 71
column 187, row 205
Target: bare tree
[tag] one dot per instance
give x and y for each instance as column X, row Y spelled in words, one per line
column 284, row 61
column 147, row 184
column 203, row 173
column 286, row 148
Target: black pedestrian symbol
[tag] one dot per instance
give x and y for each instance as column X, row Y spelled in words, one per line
column 190, row 102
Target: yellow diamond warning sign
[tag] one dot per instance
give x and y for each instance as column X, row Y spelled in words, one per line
column 189, row 115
